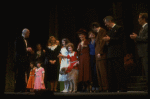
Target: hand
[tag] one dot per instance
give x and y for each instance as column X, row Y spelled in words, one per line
column 29, row 49
column 106, row 38
column 98, row 55
column 133, row 36
column 60, row 55
column 44, row 51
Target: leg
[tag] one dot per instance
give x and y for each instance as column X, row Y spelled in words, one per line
column 55, row 85
column 145, row 65
column 70, row 86
column 52, row 85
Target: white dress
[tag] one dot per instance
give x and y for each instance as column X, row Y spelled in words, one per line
column 64, row 63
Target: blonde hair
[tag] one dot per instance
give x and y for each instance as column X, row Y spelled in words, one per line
column 50, row 38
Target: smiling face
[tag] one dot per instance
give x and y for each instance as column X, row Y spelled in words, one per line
column 82, row 37
column 38, row 64
column 70, row 49
column 63, row 43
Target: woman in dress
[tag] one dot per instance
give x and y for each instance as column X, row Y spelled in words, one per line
column 52, row 69
column 84, row 61
column 64, row 63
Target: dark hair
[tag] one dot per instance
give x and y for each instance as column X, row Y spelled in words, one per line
column 95, row 24
column 109, row 18
column 91, row 32
column 32, row 63
column 69, row 45
column 82, row 31
column 144, row 16
column 66, row 41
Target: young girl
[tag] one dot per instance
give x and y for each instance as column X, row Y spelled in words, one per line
column 39, row 77
column 30, row 84
column 64, row 63
column 72, row 56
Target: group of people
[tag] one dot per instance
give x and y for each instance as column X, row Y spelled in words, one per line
column 99, row 59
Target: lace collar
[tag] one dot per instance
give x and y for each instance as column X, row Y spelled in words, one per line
column 71, row 54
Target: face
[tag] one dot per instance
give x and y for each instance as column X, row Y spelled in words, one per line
column 70, row 49
column 39, row 47
column 140, row 20
column 82, row 37
column 92, row 35
column 107, row 23
column 31, row 65
column 63, row 43
column 38, row 64
column 95, row 29
column 27, row 34
column 53, row 40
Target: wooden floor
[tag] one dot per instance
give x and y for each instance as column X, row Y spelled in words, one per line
column 101, row 94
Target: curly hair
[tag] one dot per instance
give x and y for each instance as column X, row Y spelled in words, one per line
column 70, row 45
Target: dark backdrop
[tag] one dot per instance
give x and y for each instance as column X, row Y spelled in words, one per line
column 63, row 21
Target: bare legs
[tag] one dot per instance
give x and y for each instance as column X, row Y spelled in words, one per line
column 53, row 85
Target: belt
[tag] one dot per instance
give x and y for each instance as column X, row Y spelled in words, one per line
column 31, row 75
column 73, row 61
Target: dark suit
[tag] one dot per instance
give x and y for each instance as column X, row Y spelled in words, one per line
column 115, row 59
column 142, row 46
column 21, row 63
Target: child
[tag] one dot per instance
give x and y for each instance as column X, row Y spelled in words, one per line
column 39, row 77
column 64, row 63
column 72, row 56
column 30, row 84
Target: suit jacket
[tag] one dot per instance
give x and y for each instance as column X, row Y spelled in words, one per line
column 20, row 51
column 100, row 45
column 115, row 45
column 142, row 42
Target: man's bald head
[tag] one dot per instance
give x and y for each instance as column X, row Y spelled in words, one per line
column 25, row 33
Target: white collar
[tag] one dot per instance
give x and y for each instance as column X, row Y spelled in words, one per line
column 98, row 29
column 113, row 25
column 144, row 25
column 71, row 54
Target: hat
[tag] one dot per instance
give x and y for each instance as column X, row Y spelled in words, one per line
column 82, row 31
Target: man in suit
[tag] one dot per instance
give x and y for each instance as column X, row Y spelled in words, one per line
column 142, row 41
column 115, row 56
column 100, row 54
column 21, row 60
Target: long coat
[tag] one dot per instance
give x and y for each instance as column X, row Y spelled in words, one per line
column 84, row 63
column 100, row 47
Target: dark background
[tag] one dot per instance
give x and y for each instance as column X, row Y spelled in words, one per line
column 63, row 21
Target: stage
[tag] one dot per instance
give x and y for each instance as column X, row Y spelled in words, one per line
column 100, row 94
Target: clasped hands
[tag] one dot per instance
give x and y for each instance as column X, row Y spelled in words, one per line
column 52, row 61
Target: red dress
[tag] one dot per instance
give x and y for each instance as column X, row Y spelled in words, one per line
column 84, row 62
column 73, row 60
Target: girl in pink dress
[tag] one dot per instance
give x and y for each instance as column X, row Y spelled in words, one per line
column 39, row 77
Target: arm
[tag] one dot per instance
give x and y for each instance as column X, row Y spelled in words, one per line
column 143, row 39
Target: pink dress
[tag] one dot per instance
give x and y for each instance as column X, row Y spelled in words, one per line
column 39, row 83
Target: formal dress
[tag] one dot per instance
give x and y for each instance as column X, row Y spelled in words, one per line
column 52, row 70
column 93, row 64
column 64, row 63
column 30, row 83
column 101, row 66
column 21, row 63
column 73, row 60
column 84, row 62
column 142, row 46
column 39, row 82
column 115, row 59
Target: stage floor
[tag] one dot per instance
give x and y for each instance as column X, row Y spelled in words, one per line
column 129, row 93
